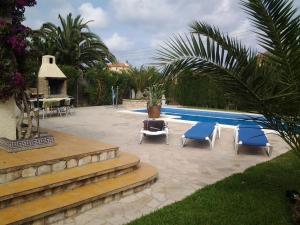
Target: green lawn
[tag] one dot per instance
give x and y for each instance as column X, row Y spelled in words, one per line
column 254, row 197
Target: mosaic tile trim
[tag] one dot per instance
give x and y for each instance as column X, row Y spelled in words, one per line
column 26, row 144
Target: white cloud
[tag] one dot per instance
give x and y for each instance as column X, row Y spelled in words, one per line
column 64, row 9
column 96, row 14
column 244, row 28
column 118, row 43
column 143, row 10
column 156, row 43
column 35, row 16
column 244, row 32
column 143, row 25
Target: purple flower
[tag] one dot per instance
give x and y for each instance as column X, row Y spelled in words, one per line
column 18, row 80
column 17, row 43
column 19, row 29
column 13, row 38
column 23, row 3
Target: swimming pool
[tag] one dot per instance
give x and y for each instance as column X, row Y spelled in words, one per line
column 225, row 118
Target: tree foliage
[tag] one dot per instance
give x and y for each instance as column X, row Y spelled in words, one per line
column 201, row 91
column 72, row 43
column 13, row 56
column 144, row 77
column 99, row 83
column 13, row 45
column 267, row 82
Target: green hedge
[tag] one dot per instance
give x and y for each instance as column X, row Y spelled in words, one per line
column 99, row 83
column 72, row 75
column 200, row 91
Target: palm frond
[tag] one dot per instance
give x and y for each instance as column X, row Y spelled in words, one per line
column 278, row 32
column 74, row 43
column 267, row 82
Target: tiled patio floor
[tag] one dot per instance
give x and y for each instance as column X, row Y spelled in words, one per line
column 181, row 171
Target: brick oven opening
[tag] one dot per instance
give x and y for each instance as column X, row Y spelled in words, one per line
column 56, row 86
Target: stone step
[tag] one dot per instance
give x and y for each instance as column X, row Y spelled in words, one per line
column 28, row 189
column 69, row 151
column 59, row 206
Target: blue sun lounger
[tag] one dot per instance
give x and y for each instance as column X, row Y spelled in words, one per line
column 252, row 136
column 202, row 132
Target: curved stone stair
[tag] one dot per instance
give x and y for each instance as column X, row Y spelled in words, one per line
column 80, row 174
column 56, row 207
column 34, row 187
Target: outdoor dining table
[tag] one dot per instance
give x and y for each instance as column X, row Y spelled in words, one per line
column 48, row 103
column 49, row 99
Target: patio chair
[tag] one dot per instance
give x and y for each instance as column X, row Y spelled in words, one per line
column 252, row 136
column 154, row 128
column 55, row 107
column 202, row 132
column 46, row 108
column 67, row 106
column 64, row 106
column 72, row 105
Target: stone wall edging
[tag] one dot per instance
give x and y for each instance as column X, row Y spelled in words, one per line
column 67, row 186
column 56, row 218
column 57, row 165
column 134, row 104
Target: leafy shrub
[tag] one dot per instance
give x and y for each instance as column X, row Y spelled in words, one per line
column 99, row 83
column 72, row 75
column 143, row 78
column 200, row 91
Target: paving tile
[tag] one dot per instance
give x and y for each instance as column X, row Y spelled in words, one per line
column 117, row 220
column 180, row 169
column 154, row 204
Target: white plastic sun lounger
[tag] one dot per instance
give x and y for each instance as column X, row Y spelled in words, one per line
column 202, row 132
column 253, row 136
column 154, row 128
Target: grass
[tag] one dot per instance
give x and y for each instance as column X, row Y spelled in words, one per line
column 254, row 197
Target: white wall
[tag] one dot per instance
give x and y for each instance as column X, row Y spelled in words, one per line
column 8, row 120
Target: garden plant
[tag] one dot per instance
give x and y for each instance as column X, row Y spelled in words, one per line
column 13, row 54
column 266, row 81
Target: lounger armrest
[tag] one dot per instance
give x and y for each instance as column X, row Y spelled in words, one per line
column 236, row 138
column 218, row 127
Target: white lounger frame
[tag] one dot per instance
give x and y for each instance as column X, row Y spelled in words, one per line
column 238, row 143
column 165, row 132
column 211, row 141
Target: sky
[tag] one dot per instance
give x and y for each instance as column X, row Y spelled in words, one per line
column 134, row 29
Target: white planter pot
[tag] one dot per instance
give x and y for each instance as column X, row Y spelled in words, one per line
column 8, row 121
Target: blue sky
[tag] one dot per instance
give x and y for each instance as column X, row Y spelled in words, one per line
column 134, row 29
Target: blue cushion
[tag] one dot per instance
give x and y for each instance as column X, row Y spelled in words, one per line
column 200, row 131
column 252, row 135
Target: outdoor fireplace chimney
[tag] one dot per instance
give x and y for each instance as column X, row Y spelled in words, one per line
column 51, row 80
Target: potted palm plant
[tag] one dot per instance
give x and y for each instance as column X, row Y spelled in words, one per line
column 155, row 93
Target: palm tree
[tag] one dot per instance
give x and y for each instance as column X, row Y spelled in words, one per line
column 144, row 77
column 267, row 82
column 73, row 43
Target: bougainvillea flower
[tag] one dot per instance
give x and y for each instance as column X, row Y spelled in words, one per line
column 18, row 80
column 23, row 3
column 17, row 43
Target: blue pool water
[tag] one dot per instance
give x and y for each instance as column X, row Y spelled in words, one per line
column 210, row 116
